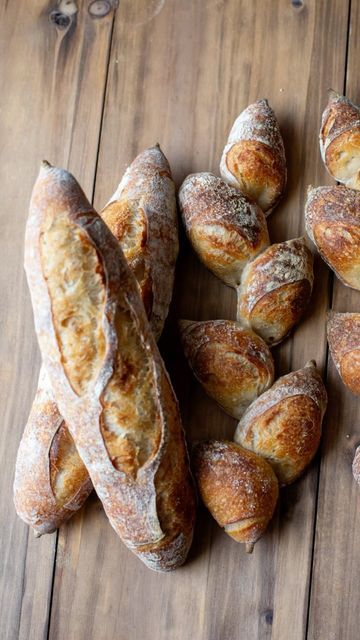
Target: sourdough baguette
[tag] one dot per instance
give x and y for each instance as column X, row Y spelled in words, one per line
column 238, row 487
column 131, row 220
column 233, row 364
column 283, row 425
column 106, row 373
column 340, row 139
column 254, row 157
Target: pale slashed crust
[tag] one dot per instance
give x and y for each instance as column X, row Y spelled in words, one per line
column 284, row 423
column 130, row 492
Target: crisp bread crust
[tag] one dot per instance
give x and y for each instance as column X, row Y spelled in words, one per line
column 130, row 503
column 343, row 333
column 332, row 219
column 284, row 423
column 225, row 229
column 232, row 363
column 148, row 188
column 356, row 466
column 258, row 125
column 340, row 125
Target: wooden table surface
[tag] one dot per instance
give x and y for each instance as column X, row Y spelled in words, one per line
column 88, row 94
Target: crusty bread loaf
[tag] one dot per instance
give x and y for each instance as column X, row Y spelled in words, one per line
column 356, row 466
column 275, row 289
column 51, row 481
column 254, row 157
column 343, row 333
column 284, row 424
column 106, row 373
column 233, row 364
column 340, row 140
column 151, row 203
column 238, row 487
column 224, row 228
column 142, row 216
column 332, row 217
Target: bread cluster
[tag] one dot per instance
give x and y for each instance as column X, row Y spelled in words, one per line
column 105, row 414
column 280, row 424
column 332, row 216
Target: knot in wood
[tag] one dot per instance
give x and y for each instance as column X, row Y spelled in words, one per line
column 99, row 8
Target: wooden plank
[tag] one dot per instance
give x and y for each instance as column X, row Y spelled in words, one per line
column 51, row 98
column 334, row 610
column 179, row 74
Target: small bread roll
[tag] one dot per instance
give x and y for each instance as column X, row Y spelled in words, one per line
column 343, row 333
column 238, row 487
column 356, row 465
column 224, row 228
column 254, row 157
column 284, row 424
column 275, row 289
column 340, row 140
column 232, row 363
column 332, row 217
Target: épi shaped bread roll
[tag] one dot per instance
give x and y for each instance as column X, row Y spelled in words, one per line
column 284, row 424
column 224, row 228
column 332, row 217
column 340, row 139
column 275, row 289
column 343, row 333
column 233, row 364
column 106, row 373
column 238, row 487
column 254, row 157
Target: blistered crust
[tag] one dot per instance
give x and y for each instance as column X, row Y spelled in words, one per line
column 233, row 364
column 343, row 333
column 224, row 228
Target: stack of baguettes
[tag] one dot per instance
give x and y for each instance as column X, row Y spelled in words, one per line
column 332, row 215
column 105, row 414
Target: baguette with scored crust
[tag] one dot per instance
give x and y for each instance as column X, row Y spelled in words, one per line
column 106, row 373
column 47, row 444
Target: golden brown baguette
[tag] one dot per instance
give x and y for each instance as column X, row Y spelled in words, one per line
column 254, row 157
column 332, row 217
column 340, row 140
column 224, row 228
column 106, row 373
column 343, row 333
column 275, row 289
column 238, row 487
column 233, row 364
column 284, row 424
column 148, row 178
column 142, row 216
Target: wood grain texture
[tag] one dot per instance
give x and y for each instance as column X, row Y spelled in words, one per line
column 334, row 605
column 179, row 73
column 51, row 98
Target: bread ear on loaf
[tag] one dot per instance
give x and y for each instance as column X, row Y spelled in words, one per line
column 283, row 425
column 106, row 373
column 225, row 229
column 332, row 217
column 254, row 157
column 275, row 289
column 340, row 139
column 233, row 364
column 238, row 487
